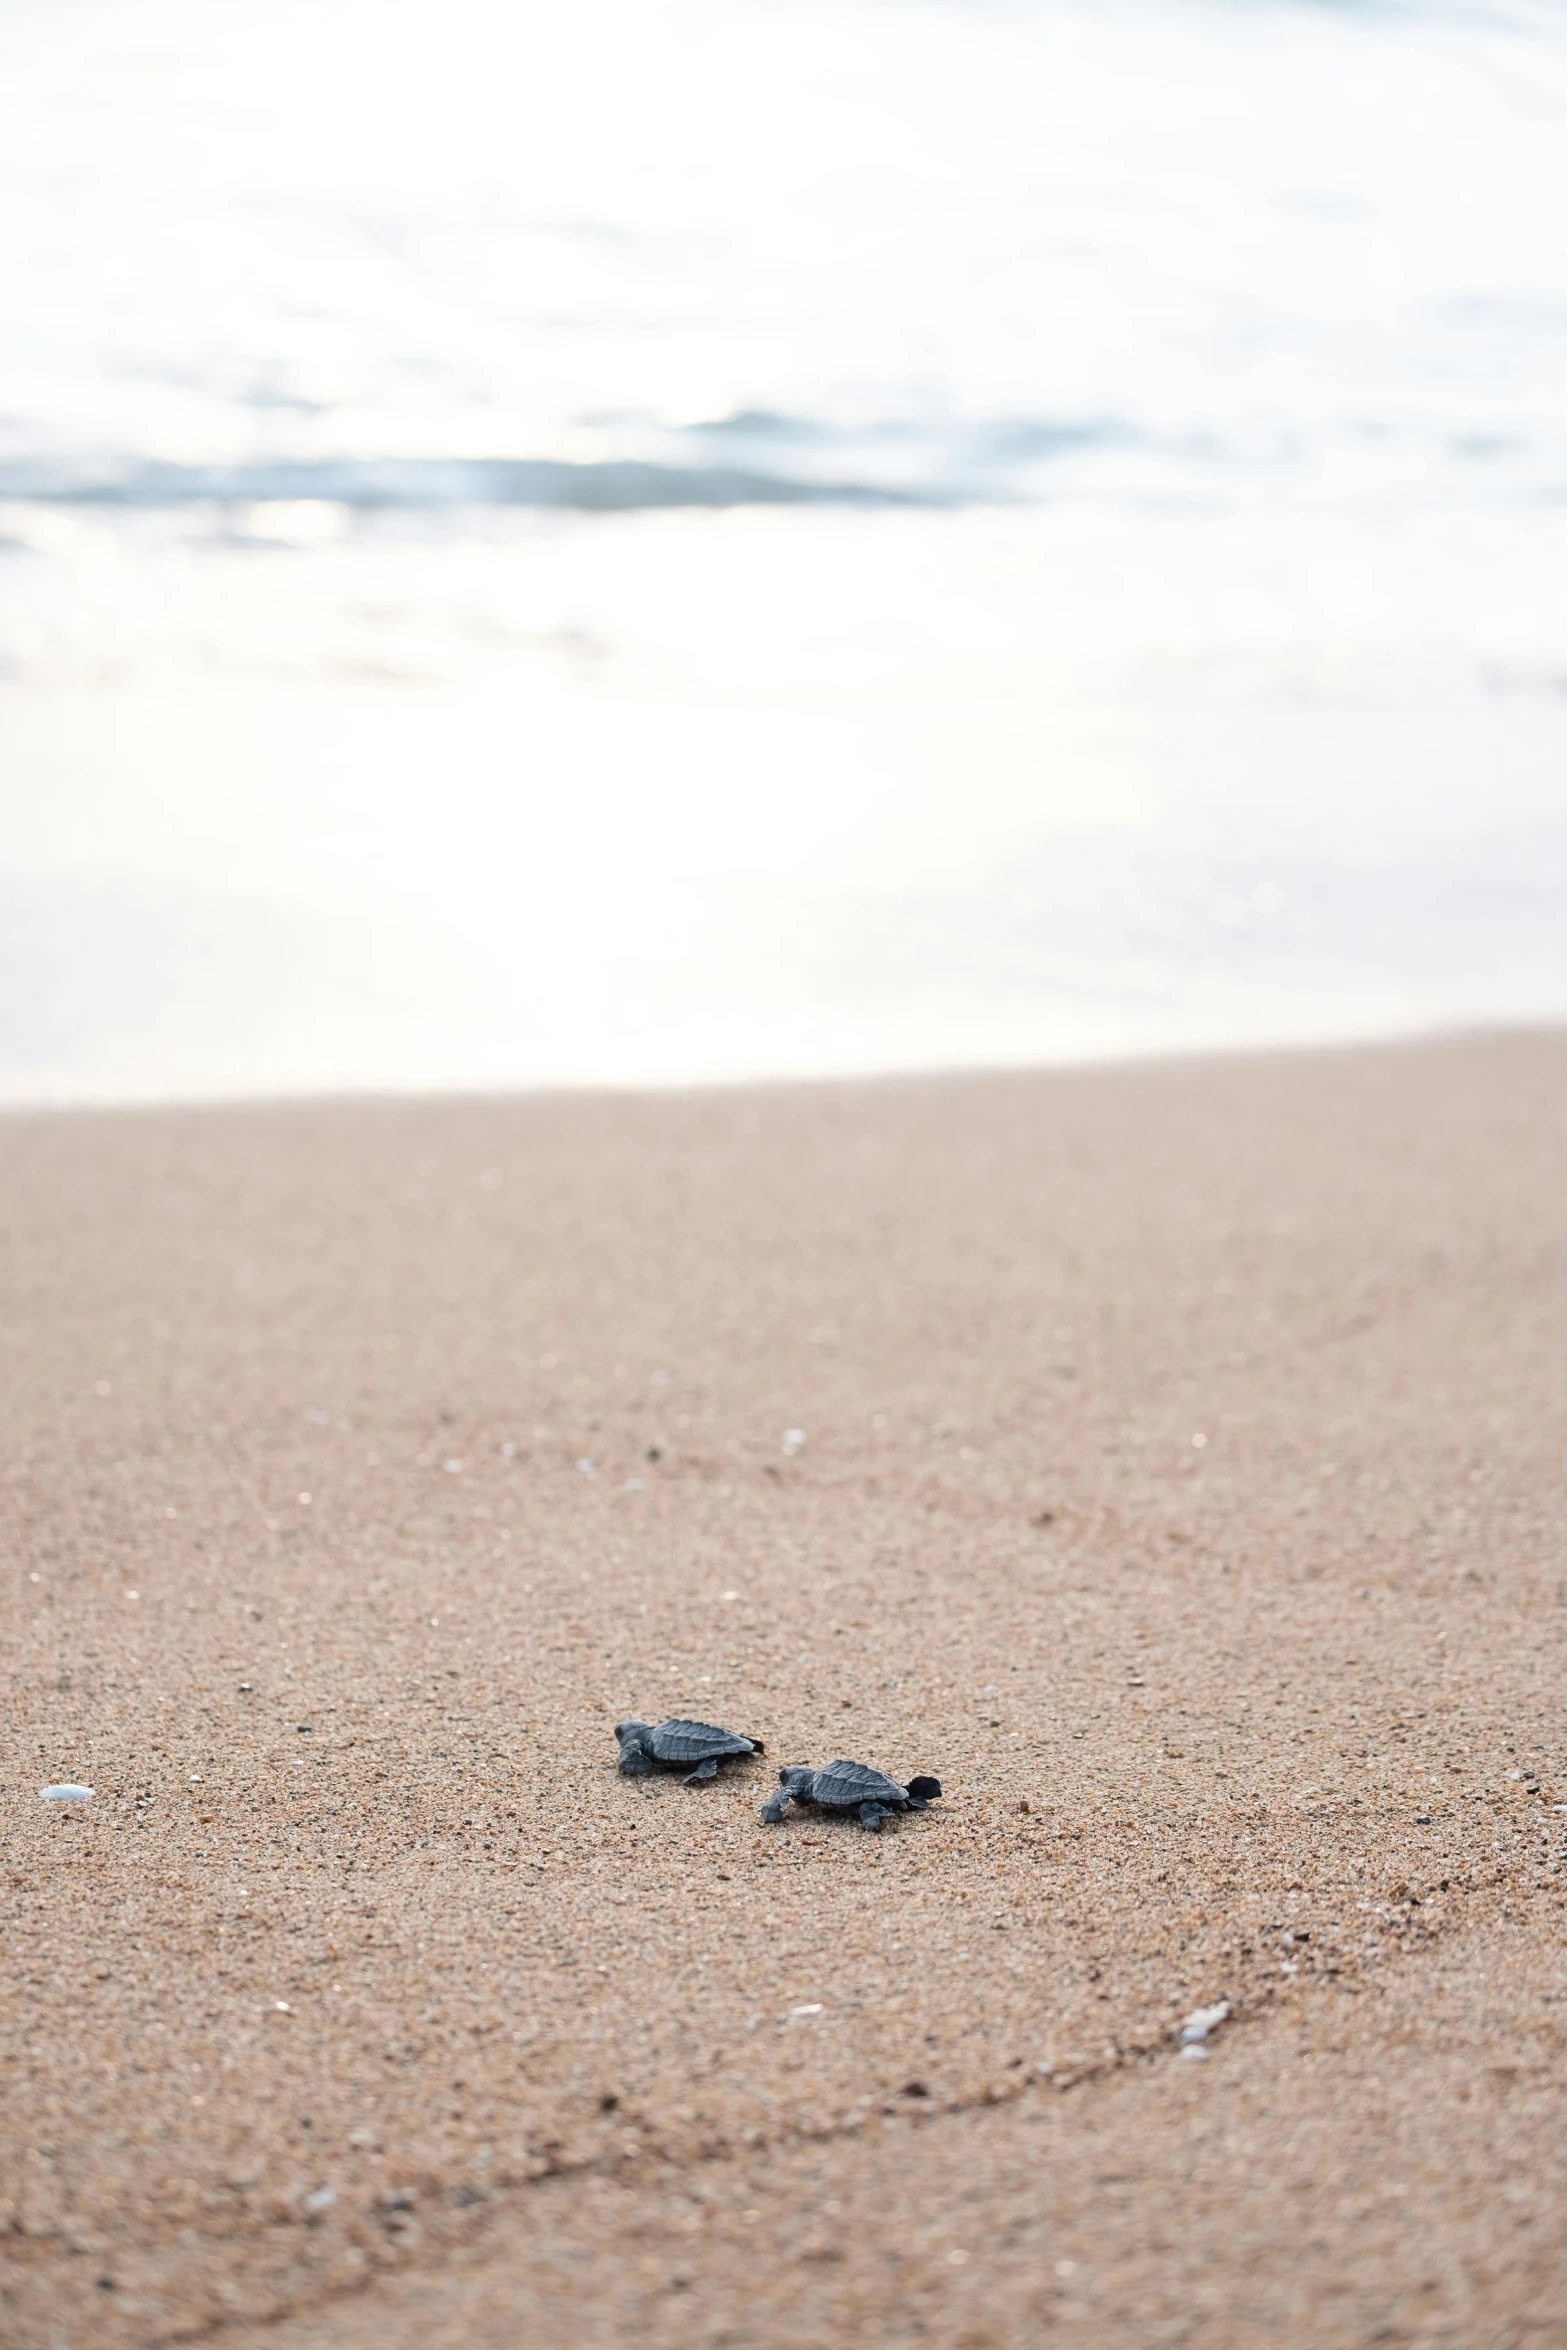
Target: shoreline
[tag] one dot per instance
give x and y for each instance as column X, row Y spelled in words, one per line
column 1433, row 1036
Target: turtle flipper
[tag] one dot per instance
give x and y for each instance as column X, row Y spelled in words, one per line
column 704, row 1770
column 871, row 1816
column 773, row 1809
column 635, row 1765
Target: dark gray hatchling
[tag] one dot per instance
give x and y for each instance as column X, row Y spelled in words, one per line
column 695, row 1748
column 849, row 1787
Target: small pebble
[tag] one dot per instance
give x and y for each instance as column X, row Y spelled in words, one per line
column 322, row 2200
column 1201, row 2022
column 67, row 1792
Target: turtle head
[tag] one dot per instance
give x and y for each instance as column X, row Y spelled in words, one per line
column 632, row 1738
column 925, row 1788
column 794, row 1785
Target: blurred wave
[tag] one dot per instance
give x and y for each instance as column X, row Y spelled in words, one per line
column 610, row 487
column 1156, row 249
column 787, row 460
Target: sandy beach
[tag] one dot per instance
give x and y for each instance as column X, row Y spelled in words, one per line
column 1169, row 1458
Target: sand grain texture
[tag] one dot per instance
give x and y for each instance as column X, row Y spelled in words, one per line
column 1182, row 1481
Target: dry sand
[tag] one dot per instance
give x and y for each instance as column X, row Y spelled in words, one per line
column 1182, row 1481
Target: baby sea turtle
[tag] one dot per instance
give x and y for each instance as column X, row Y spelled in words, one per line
column 849, row 1786
column 693, row 1747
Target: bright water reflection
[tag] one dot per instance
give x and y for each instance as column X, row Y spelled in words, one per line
column 655, row 544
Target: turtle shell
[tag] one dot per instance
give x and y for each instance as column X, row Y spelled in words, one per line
column 846, row 1785
column 695, row 1742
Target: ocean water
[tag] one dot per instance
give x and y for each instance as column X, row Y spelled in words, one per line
column 760, row 537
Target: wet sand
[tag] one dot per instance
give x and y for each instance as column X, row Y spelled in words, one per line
column 1182, row 1480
